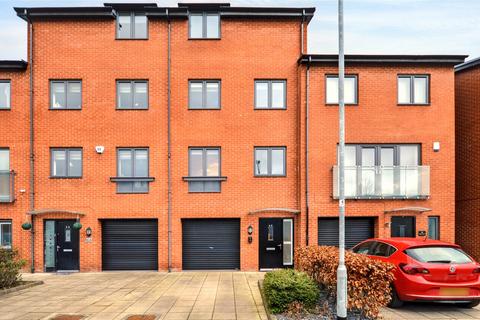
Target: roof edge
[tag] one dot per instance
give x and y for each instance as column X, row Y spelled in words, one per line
column 17, row 65
column 468, row 65
column 383, row 58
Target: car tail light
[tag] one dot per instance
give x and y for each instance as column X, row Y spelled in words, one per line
column 413, row 269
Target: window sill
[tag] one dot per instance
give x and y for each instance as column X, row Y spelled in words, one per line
column 270, row 176
column 132, row 179
column 131, row 109
column 5, row 109
column 65, row 177
column 413, row 104
column 219, row 38
column 131, row 39
column 65, row 109
column 200, row 109
column 385, row 197
column 346, row 104
column 221, row 178
column 270, row 109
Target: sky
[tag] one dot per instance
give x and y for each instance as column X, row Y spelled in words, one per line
column 371, row 26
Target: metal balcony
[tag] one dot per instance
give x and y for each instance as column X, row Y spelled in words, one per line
column 384, row 182
column 7, row 186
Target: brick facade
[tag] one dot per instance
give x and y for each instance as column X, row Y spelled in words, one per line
column 249, row 49
column 467, row 118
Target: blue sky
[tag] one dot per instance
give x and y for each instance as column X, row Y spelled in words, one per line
column 371, row 26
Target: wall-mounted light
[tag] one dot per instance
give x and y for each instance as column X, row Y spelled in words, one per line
column 250, row 229
column 99, row 149
column 88, row 232
column 436, row 146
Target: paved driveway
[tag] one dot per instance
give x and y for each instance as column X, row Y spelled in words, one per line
column 116, row 295
column 186, row 295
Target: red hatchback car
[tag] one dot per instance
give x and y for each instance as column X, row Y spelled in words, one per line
column 427, row 270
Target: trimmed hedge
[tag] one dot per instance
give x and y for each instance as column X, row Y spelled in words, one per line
column 284, row 287
column 369, row 281
column 10, row 266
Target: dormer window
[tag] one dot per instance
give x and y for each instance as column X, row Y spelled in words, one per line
column 132, row 25
column 204, row 25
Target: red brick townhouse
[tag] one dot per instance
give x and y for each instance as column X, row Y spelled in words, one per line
column 204, row 137
column 467, row 131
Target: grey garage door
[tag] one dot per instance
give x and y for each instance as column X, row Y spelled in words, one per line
column 130, row 244
column 210, row 244
column 356, row 230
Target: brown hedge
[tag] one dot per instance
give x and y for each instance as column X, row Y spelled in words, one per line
column 368, row 280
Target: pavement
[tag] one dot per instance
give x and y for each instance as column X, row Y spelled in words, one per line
column 178, row 295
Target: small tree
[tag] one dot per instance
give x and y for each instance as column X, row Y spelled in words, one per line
column 10, row 266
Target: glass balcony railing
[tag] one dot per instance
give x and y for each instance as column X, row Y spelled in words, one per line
column 384, row 182
column 7, row 179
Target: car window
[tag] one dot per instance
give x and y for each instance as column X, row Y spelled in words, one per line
column 363, row 248
column 438, row 254
column 383, row 250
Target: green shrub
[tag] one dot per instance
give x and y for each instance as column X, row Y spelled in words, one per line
column 284, row 287
column 10, row 266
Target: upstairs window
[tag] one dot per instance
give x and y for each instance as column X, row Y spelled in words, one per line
column 4, row 94
column 66, row 163
column 350, row 89
column 204, row 170
column 204, row 25
column 270, row 162
column 204, row 94
column 65, row 94
column 413, row 89
column 270, row 94
column 132, row 170
column 132, row 94
column 132, row 25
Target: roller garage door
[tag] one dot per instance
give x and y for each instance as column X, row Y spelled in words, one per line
column 130, row 244
column 356, row 230
column 210, row 244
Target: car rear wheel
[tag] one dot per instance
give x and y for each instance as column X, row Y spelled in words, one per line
column 395, row 302
column 471, row 304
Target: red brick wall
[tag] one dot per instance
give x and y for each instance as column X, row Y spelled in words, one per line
column 467, row 117
column 15, row 136
column 378, row 119
column 88, row 50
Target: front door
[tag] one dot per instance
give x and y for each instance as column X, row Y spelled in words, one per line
column 61, row 245
column 403, row 226
column 275, row 243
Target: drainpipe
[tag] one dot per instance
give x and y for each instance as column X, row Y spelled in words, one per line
column 301, row 31
column 307, row 193
column 169, row 154
column 32, row 154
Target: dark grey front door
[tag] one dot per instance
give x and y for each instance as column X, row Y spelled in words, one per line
column 403, row 226
column 61, row 245
column 275, row 243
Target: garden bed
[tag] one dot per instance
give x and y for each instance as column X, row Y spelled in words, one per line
column 21, row 285
column 324, row 310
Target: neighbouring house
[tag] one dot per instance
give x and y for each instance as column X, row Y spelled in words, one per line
column 204, row 136
column 467, row 152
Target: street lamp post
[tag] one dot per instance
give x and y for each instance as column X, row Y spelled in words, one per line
column 342, row 270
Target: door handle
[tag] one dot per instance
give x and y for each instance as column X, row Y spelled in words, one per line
column 280, row 246
column 58, row 248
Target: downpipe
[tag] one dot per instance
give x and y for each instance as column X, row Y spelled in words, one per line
column 32, row 151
